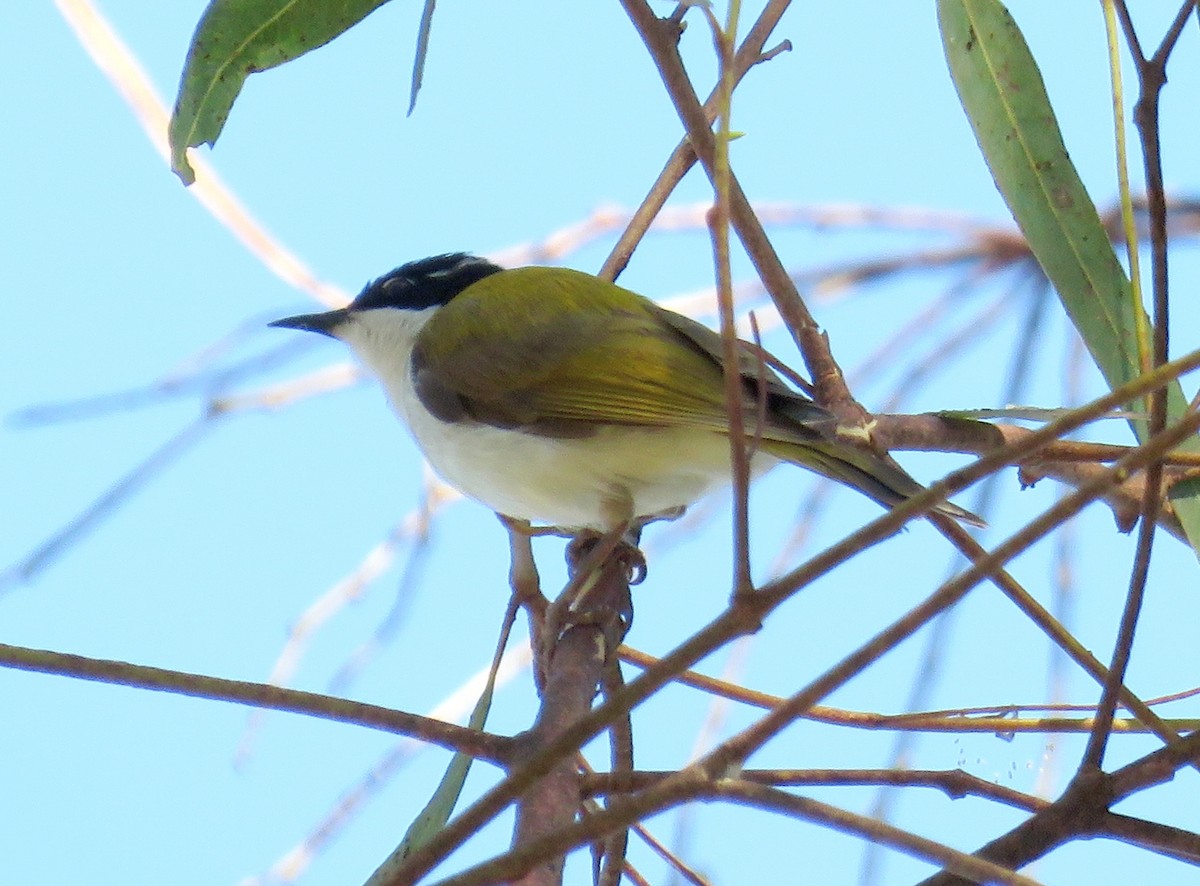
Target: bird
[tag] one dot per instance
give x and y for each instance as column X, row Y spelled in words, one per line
column 556, row 397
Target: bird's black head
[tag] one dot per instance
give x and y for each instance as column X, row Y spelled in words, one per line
column 424, row 284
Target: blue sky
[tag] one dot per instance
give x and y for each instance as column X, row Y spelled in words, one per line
column 532, row 116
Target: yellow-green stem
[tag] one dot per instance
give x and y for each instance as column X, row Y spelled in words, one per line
column 1127, row 221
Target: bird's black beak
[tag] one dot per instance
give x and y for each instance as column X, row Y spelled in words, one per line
column 326, row 323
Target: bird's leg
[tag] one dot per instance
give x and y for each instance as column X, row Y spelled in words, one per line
column 524, row 527
column 526, row 585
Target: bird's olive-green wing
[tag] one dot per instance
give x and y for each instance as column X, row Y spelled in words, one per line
column 757, row 375
column 559, row 351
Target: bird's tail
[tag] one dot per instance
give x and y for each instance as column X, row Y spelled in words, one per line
column 872, row 475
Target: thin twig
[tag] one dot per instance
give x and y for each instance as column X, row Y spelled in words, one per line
column 749, row 54
column 661, row 41
column 739, row 455
column 1152, row 76
column 954, row 783
column 492, row 748
column 103, row 506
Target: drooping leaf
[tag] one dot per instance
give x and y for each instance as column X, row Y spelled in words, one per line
column 236, row 38
column 1002, row 91
column 437, row 811
column 433, row 817
column 418, row 72
column 1005, row 99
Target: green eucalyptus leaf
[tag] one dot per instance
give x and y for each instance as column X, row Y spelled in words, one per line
column 237, row 38
column 433, row 817
column 418, row 71
column 1002, row 92
column 437, row 811
column 1005, row 99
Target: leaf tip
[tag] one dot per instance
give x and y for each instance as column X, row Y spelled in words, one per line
column 181, row 167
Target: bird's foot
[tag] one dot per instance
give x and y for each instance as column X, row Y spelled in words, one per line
column 602, row 568
column 589, row 549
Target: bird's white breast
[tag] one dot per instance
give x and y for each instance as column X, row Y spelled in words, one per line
column 588, row 482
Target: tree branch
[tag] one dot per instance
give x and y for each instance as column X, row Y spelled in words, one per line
column 481, row 745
